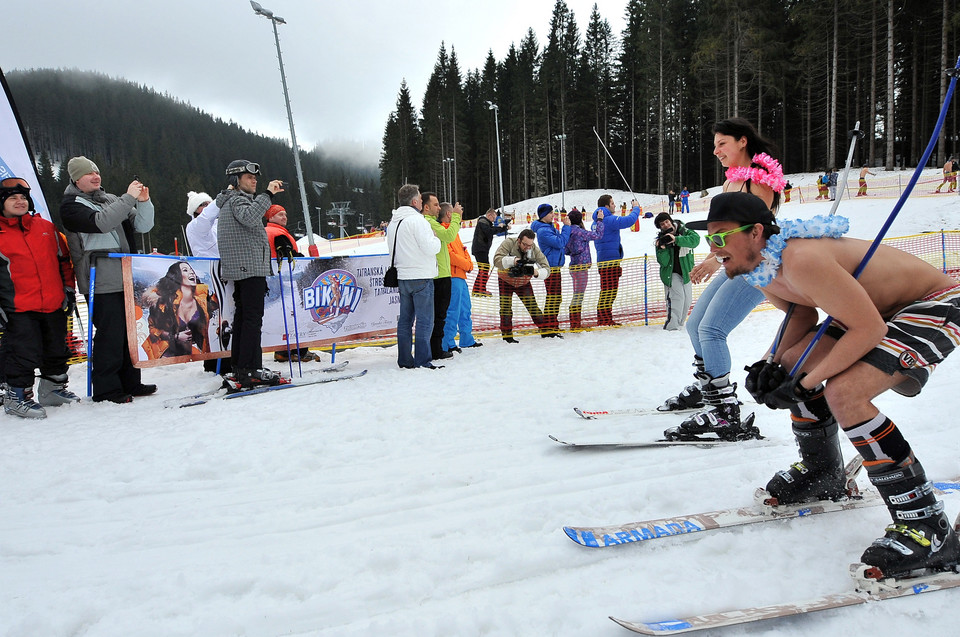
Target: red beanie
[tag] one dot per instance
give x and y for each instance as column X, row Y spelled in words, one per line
column 272, row 210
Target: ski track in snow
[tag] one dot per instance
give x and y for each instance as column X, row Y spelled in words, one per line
column 431, row 503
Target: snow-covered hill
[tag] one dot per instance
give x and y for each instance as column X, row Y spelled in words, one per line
column 430, row 503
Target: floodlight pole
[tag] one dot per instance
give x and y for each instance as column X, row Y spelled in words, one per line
column 496, row 121
column 563, row 171
column 274, row 20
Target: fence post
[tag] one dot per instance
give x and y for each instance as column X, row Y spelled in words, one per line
column 943, row 249
column 646, row 306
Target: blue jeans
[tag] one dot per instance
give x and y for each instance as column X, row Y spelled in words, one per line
column 721, row 307
column 458, row 316
column 416, row 303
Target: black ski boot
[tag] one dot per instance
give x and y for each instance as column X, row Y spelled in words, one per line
column 253, row 378
column 819, row 475
column 692, row 395
column 722, row 418
column 921, row 537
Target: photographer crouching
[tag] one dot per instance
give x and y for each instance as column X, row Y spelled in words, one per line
column 517, row 260
column 675, row 245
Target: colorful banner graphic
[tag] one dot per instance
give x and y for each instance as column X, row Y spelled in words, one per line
column 16, row 160
column 179, row 309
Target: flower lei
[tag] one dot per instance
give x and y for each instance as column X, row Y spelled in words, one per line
column 832, row 227
column 769, row 173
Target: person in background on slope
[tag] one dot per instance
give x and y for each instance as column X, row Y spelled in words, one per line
column 949, row 175
column 517, row 260
column 822, row 190
column 747, row 156
column 486, row 229
column 97, row 224
column 459, row 314
column 413, row 248
column 610, row 254
column 552, row 243
column 832, row 182
column 893, row 325
column 685, row 201
column 245, row 260
column 578, row 247
column 674, row 246
column 36, row 297
column 284, row 246
column 864, row 171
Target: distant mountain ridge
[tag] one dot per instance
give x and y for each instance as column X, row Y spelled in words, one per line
column 131, row 130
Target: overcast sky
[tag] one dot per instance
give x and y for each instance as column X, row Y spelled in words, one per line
column 344, row 61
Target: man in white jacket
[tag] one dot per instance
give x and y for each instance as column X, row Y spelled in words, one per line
column 413, row 250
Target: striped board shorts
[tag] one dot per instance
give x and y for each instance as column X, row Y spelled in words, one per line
column 919, row 337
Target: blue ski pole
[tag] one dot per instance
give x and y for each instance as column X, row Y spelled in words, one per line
column 283, row 306
column 293, row 308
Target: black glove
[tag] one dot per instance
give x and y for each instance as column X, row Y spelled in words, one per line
column 69, row 301
column 789, row 393
column 284, row 252
column 762, row 378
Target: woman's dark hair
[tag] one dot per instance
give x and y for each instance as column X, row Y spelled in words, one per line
column 168, row 285
column 575, row 217
column 738, row 127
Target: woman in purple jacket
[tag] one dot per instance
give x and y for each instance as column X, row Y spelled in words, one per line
column 578, row 247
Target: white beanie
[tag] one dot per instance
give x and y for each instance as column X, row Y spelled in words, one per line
column 195, row 200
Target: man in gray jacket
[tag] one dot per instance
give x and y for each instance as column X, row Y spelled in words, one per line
column 245, row 260
column 98, row 223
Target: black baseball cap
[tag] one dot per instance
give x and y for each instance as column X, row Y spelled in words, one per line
column 740, row 207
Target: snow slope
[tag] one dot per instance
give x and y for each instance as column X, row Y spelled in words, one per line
column 430, row 503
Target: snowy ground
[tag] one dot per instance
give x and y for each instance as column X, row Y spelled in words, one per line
column 430, row 503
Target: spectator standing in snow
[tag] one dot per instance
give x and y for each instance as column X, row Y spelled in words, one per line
column 441, row 285
column 245, row 260
column 98, row 223
column 413, row 249
column 685, row 201
column 949, row 175
column 459, row 314
column 36, row 297
column 552, row 243
column 487, row 228
column 201, row 230
column 832, row 182
column 674, row 246
column 578, row 247
column 610, row 254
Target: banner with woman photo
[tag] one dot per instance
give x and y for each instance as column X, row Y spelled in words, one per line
column 179, row 309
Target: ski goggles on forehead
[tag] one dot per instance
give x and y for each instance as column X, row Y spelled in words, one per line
column 13, row 182
column 719, row 239
column 251, row 168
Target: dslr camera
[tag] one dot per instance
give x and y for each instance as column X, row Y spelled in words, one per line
column 523, row 267
column 665, row 239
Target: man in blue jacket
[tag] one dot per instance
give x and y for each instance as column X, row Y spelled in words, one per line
column 610, row 253
column 552, row 243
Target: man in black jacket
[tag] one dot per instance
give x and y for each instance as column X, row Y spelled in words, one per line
column 482, row 240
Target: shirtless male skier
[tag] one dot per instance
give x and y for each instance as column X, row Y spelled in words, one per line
column 891, row 327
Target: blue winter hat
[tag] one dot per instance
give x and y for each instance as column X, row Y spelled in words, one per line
column 543, row 210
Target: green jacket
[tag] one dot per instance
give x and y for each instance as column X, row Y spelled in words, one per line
column 446, row 235
column 687, row 240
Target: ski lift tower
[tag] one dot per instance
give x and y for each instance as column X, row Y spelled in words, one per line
column 341, row 210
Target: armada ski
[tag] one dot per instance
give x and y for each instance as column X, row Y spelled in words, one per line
column 593, row 415
column 703, row 443
column 867, row 590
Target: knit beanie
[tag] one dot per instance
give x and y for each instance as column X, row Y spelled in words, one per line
column 543, row 210
column 272, row 210
column 80, row 166
column 195, row 200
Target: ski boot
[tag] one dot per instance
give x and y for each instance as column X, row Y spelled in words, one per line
column 820, row 474
column 921, row 537
column 18, row 401
column 253, row 378
column 722, row 418
column 692, row 395
column 52, row 391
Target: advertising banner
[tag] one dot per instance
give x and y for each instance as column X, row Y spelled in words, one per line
column 179, row 309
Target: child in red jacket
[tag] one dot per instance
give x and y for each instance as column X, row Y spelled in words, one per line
column 36, row 296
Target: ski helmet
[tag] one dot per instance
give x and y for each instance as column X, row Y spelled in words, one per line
column 238, row 167
column 15, row 185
